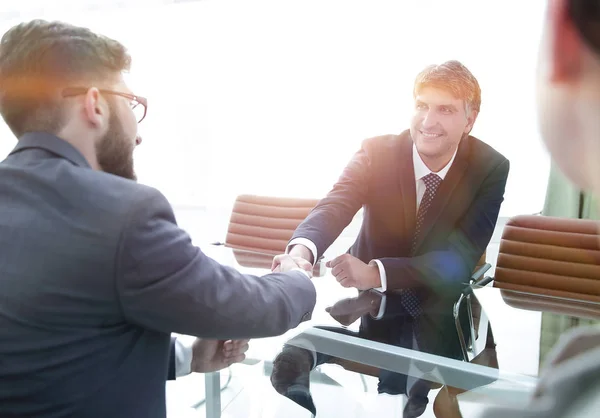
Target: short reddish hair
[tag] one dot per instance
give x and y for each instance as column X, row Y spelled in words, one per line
column 454, row 78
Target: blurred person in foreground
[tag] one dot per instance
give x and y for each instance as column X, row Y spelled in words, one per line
column 569, row 117
column 94, row 271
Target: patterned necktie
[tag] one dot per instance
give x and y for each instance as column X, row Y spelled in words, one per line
column 432, row 182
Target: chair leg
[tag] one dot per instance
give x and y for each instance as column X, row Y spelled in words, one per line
column 459, row 331
column 480, row 343
column 471, row 324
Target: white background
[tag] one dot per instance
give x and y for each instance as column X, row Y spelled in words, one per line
column 273, row 97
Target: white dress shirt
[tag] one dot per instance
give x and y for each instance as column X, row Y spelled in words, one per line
column 183, row 356
column 421, row 170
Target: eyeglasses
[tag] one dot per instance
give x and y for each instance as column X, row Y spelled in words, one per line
column 139, row 105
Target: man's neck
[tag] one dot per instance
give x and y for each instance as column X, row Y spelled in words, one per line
column 436, row 164
column 82, row 144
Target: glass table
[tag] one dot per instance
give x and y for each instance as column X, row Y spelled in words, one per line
column 416, row 361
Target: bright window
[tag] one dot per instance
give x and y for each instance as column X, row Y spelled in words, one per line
column 274, row 97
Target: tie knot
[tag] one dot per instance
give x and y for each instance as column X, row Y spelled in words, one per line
column 432, row 181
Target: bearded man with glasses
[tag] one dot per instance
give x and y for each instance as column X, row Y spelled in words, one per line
column 94, row 272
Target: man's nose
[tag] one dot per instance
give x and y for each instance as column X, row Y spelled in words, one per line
column 430, row 120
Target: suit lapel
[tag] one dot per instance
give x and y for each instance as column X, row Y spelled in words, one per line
column 405, row 173
column 444, row 192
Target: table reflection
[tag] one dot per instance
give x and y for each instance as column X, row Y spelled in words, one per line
column 383, row 318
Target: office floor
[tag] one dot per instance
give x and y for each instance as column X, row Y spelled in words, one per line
column 248, row 392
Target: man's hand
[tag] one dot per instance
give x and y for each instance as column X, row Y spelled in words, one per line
column 301, row 251
column 347, row 311
column 212, row 355
column 349, row 271
column 286, row 262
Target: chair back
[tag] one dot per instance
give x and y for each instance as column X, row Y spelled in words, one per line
column 266, row 224
column 550, row 256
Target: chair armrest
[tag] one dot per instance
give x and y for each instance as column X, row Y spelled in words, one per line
column 468, row 289
column 483, row 282
column 478, row 275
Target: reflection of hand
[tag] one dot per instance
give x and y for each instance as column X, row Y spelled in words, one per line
column 212, row 355
column 286, row 262
column 349, row 271
column 347, row 311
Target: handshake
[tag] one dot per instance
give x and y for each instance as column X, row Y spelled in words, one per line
column 286, row 262
column 296, row 259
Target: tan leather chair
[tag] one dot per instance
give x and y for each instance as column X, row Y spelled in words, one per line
column 539, row 256
column 261, row 227
column 549, row 256
column 543, row 256
column 265, row 224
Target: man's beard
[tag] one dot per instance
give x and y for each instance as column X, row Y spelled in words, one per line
column 115, row 151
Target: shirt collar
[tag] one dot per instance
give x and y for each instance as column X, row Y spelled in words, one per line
column 53, row 144
column 421, row 170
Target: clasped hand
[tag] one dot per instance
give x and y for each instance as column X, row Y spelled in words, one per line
column 286, row 262
column 212, row 355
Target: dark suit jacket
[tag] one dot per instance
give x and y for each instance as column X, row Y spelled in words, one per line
column 457, row 229
column 95, row 275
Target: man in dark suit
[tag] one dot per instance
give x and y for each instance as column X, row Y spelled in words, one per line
column 94, row 272
column 431, row 197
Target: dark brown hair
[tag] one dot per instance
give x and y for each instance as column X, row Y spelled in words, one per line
column 39, row 58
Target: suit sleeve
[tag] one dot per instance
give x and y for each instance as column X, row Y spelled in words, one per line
column 165, row 283
column 335, row 212
column 446, row 269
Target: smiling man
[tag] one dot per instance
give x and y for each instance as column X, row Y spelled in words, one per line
column 431, row 198
column 431, row 195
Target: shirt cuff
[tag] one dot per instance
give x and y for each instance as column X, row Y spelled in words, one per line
column 307, row 243
column 382, row 276
column 183, row 357
column 381, row 307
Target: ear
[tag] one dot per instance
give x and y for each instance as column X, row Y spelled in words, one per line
column 565, row 44
column 96, row 109
column 471, row 117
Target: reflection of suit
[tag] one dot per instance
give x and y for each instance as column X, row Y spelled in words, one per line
column 457, row 229
column 95, row 275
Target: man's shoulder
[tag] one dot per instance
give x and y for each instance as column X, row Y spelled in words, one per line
column 389, row 140
column 116, row 193
column 482, row 152
column 383, row 143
